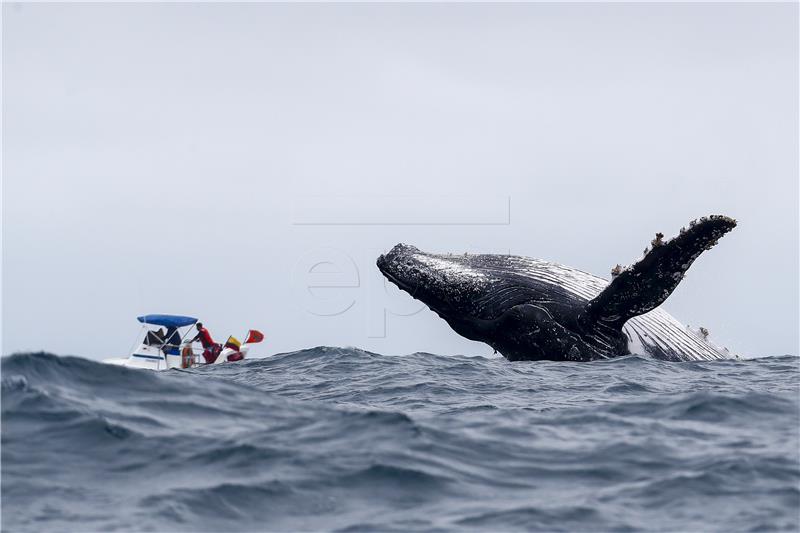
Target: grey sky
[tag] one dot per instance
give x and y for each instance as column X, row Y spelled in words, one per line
column 189, row 158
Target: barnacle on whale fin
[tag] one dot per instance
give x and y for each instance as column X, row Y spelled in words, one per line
column 644, row 285
column 658, row 241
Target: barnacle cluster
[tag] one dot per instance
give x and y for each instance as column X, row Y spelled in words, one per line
column 716, row 234
column 658, row 241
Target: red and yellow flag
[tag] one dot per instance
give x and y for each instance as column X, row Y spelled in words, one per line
column 254, row 336
column 233, row 343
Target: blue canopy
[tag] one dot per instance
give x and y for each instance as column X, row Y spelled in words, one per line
column 170, row 321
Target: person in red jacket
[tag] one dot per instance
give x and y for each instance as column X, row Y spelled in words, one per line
column 211, row 349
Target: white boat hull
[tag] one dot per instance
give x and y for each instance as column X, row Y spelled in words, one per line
column 150, row 358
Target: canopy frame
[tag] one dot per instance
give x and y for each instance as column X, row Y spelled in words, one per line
column 168, row 321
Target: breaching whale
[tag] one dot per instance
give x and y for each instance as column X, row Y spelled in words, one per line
column 529, row 309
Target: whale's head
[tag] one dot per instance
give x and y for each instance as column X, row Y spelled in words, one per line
column 508, row 302
column 449, row 284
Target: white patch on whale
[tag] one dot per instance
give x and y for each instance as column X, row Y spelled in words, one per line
column 656, row 330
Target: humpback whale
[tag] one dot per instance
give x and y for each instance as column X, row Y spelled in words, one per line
column 529, row 309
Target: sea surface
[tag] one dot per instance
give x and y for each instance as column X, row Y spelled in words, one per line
column 344, row 439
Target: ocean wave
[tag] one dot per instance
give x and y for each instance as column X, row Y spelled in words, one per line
column 345, row 439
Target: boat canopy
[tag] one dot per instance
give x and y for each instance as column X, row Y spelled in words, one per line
column 169, row 321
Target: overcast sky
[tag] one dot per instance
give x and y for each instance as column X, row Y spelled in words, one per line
column 247, row 163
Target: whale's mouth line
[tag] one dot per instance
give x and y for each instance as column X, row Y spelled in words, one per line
column 401, row 284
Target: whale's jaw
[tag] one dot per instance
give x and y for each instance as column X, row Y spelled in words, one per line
column 390, row 266
column 404, row 266
column 444, row 283
column 448, row 284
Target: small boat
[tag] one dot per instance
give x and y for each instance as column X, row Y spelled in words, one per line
column 156, row 349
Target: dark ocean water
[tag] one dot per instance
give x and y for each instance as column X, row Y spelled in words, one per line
column 342, row 439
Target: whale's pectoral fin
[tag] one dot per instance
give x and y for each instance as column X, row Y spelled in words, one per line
column 645, row 285
column 530, row 332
